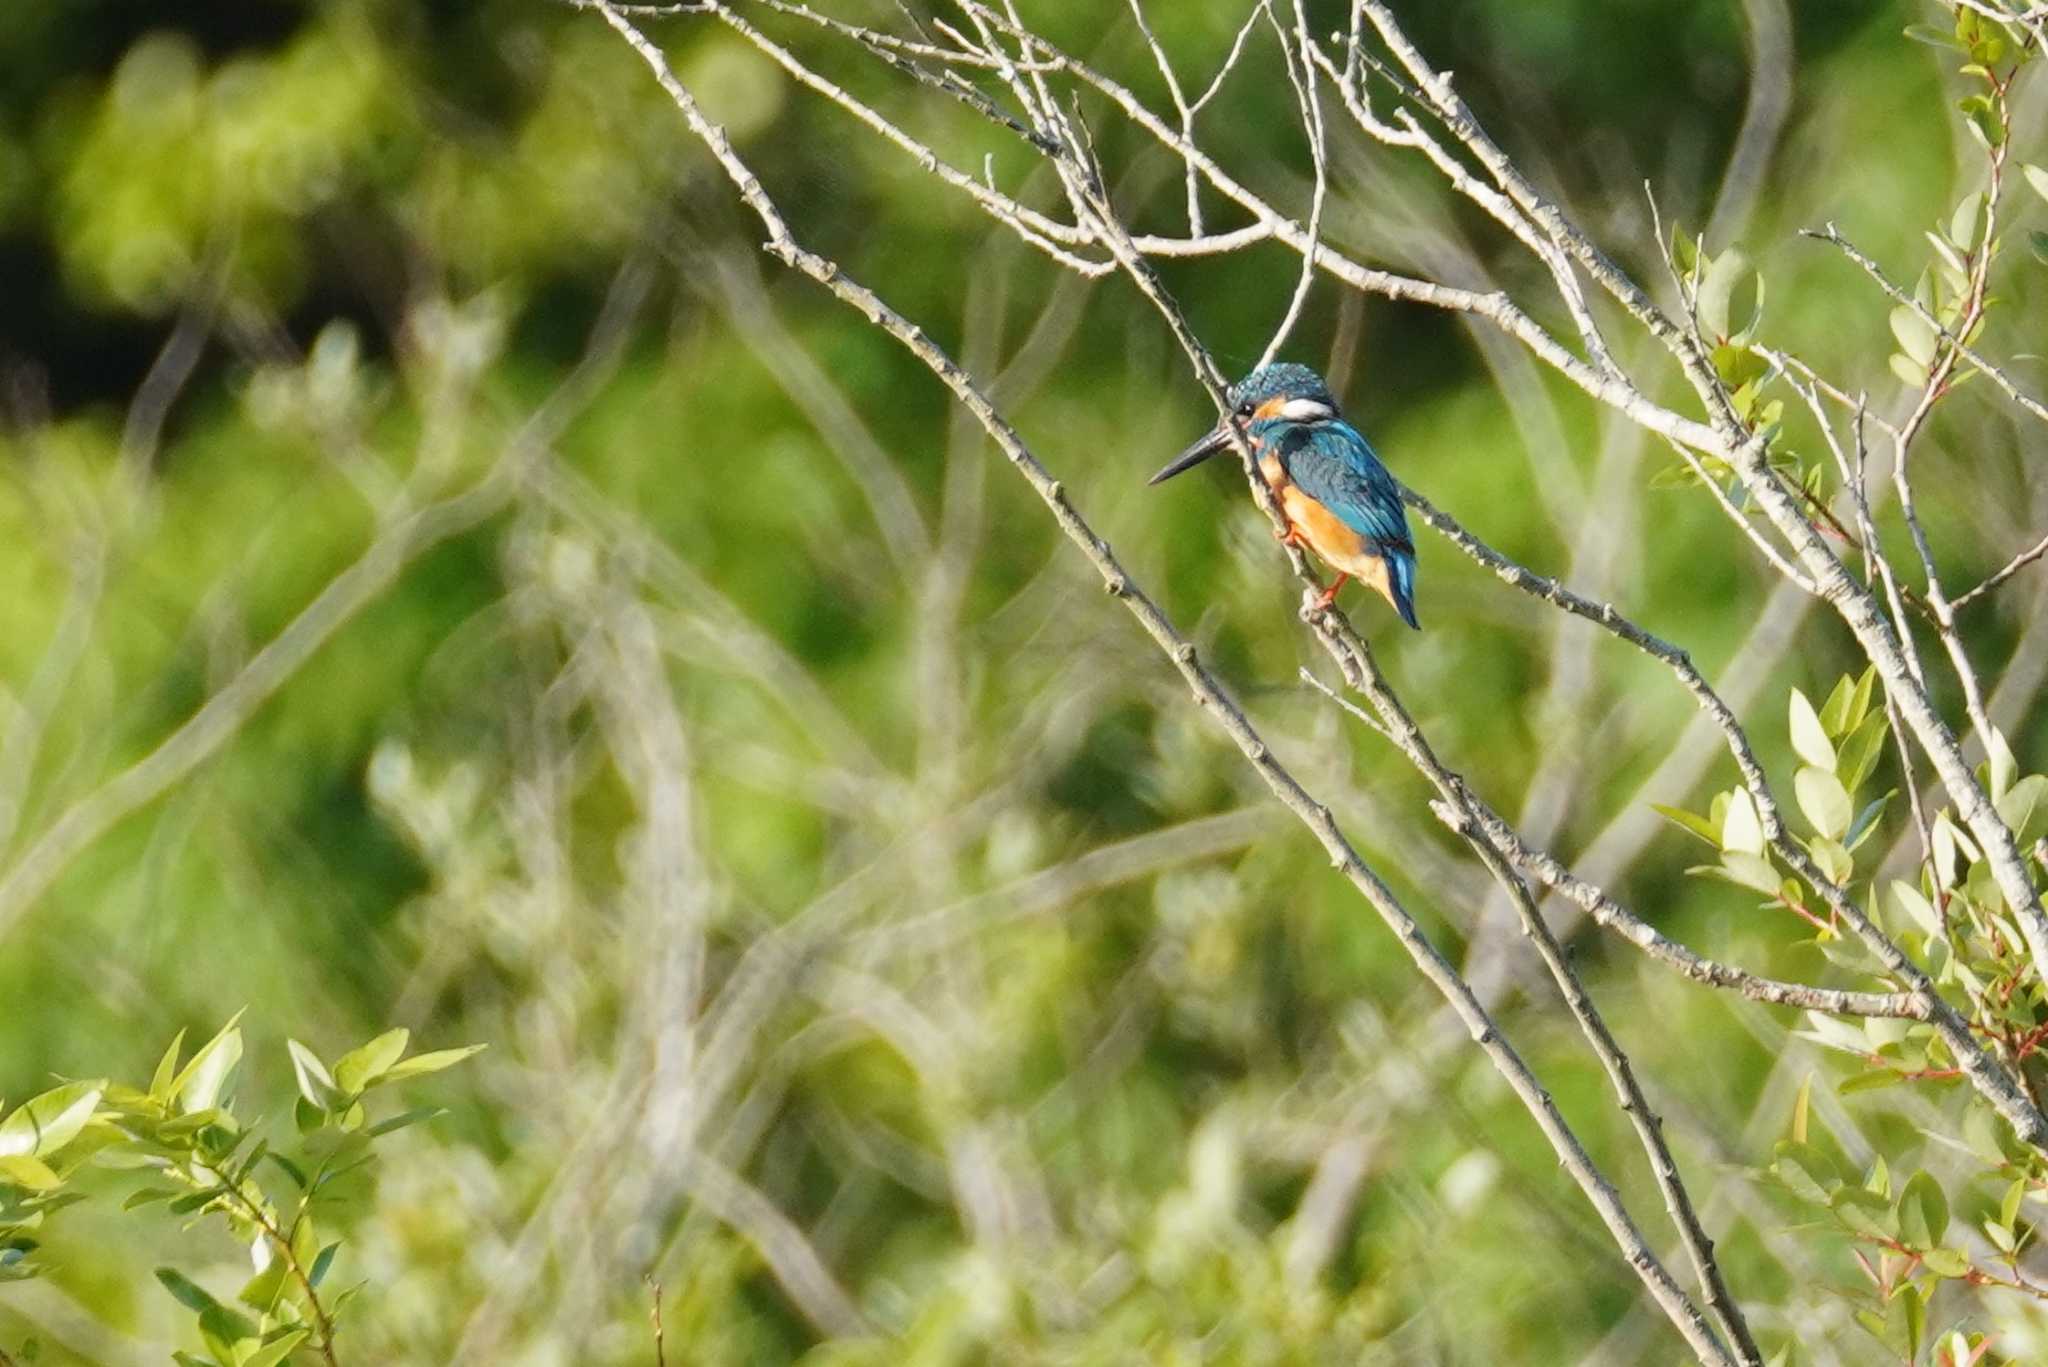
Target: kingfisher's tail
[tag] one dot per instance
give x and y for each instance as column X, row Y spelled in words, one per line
column 1401, row 580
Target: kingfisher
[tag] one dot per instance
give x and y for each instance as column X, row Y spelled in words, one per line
column 1339, row 500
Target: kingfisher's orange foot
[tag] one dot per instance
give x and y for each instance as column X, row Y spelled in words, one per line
column 1291, row 537
column 1330, row 593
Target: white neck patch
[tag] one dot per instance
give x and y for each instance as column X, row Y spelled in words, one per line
column 1307, row 410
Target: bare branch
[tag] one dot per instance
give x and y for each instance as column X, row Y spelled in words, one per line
column 1301, row 74
column 2011, row 568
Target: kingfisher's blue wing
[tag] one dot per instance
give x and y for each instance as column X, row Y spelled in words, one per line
column 1334, row 465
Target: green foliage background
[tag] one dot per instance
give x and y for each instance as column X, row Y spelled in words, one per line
column 396, row 226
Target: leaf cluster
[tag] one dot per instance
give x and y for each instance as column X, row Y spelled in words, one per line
column 182, row 1141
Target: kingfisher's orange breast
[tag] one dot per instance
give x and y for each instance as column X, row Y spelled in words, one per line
column 1326, row 534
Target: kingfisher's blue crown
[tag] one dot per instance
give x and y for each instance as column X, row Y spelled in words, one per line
column 1283, row 380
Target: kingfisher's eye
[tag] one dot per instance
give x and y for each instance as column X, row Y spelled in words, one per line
column 1244, row 410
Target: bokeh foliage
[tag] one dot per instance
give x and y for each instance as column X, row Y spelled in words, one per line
column 1073, row 1030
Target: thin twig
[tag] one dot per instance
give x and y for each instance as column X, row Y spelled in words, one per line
column 2012, row 567
column 654, row 1315
column 1301, row 74
column 263, row 1221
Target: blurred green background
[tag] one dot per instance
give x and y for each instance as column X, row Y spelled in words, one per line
column 844, row 886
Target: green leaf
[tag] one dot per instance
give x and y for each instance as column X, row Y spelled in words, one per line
column 1949, row 1262
column 1911, row 374
column 1749, row 308
column 46, row 1123
column 1917, row 337
column 192, row 1201
column 1832, row 857
column 1674, row 477
column 189, row 1293
column 316, row 1084
column 1801, row 1106
column 1864, row 1212
column 1869, row 1081
column 1741, row 831
column 1984, row 120
column 1808, row 1172
column 1859, row 753
column 2004, row 768
column 2037, row 242
column 1717, row 290
column 291, row 1169
column 318, row 1271
column 1685, row 251
column 1809, row 737
column 1834, row 713
column 166, row 1070
column 1951, row 847
column 1966, row 220
column 2036, row 177
column 1985, row 1135
column 1923, row 1212
column 419, row 1065
column 277, row 1350
column 1837, row 1034
column 1915, row 1307
column 1859, row 702
column 1887, row 1035
column 27, row 1171
column 1691, row 822
column 185, row 1127
column 358, row 1068
column 199, row 1086
column 305, row 1241
column 2009, row 1207
column 1824, row 801
column 263, row 1291
column 1925, row 287
column 1740, row 367
column 1933, row 36
column 1866, row 820
column 403, row 1119
column 2025, row 807
column 1953, row 273
column 1748, row 870
column 225, row 1330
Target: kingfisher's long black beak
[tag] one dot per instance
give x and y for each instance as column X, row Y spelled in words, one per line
column 1216, row 439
